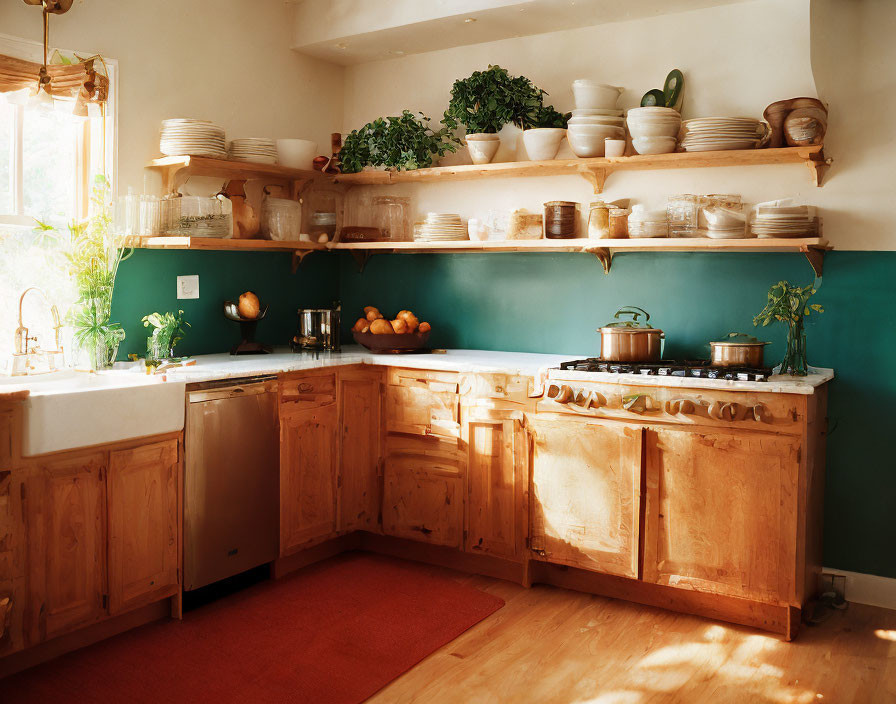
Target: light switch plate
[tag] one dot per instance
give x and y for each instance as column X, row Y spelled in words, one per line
column 188, row 286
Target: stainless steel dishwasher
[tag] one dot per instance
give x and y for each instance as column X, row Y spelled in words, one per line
column 232, row 478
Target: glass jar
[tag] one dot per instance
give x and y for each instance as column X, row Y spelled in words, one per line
column 682, row 213
column 281, row 219
column 561, row 219
column 619, row 223
column 322, row 224
column 599, row 220
column 391, row 214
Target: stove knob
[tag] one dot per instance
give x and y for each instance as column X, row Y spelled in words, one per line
column 760, row 413
column 589, row 399
column 560, row 394
column 680, row 405
column 722, row 410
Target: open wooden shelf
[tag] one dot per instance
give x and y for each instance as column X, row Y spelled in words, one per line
column 597, row 170
column 813, row 248
column 176, row 170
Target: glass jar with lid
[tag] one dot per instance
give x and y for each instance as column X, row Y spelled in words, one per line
column 561, row 219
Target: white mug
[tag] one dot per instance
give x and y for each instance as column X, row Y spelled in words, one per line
column 614, row 147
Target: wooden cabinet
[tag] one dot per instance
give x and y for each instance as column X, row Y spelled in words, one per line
column 143, row 525
column 360, row 402
column 497, row 481
column 64, row 516
column 423, row 496
column 12, row 564
column 422, row 403
column 584, row 499
column 308, row 466
column 721, row 512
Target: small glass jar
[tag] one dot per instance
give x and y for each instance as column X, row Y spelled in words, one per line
column 619, row 223
column 599, row 220
column 322, row 224
column 561, row 219
column 682, row 213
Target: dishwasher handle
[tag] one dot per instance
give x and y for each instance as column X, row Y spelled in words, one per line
column 253, row 388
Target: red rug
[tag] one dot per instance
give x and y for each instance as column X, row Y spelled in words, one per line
column 335, row 632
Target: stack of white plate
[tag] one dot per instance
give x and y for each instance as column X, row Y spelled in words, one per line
column 188, row 137
column 709, row 134
column 260, row 150
column 441, row 227
column 784, row 221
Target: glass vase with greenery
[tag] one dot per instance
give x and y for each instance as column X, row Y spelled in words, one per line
column 398, row 142
column 790, row 304
column 93, row 258
column 167, row 331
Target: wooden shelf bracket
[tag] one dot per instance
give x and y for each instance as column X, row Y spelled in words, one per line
column 361, row 258
column 595, row 175
column 298, row 256
column 818, row 165
column 815, row 257
column 605, row 257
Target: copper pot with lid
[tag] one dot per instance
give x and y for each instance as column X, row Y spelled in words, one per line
column 631, row 340
column 737, row 349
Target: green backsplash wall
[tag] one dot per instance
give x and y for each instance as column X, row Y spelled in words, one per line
column 553, row 303
column 147, row 282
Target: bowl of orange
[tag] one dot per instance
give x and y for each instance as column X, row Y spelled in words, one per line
column 402, row 335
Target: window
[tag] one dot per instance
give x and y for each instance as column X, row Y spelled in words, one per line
column 48, row 161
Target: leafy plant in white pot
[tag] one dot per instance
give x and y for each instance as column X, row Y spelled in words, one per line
column 543, row 133
column 486, row 101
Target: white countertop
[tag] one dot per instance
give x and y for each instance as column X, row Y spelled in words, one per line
column 210, row 367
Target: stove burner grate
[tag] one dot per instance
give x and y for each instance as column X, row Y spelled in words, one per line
column 699, row 368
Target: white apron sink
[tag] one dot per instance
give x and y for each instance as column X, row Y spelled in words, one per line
column 70, row 409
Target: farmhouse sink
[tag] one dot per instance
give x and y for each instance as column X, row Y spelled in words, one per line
column 69, row 409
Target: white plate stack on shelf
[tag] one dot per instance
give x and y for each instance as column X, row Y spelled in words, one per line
column 709, row 134
column 441, row 227
column 188, row 137
column 259, row 150
column 725, row 223
column 781, row 218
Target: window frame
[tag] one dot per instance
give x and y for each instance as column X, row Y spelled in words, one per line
column 33, row 51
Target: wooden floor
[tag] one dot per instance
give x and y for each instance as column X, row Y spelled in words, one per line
column 549, row 645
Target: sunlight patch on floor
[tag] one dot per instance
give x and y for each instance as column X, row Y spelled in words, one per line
column 884, row 634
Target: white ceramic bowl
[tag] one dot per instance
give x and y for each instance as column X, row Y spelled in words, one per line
column 296, row 153
column 654, row 145
column 654, row 111
column 482, row 147
column 638, row 128
column 588, row 141
column 542, row 143
column 598, row 120
column 590, row 95
column 612, row 131
column 591, row 112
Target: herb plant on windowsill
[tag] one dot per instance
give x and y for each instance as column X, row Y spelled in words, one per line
column 790, row 304
column 401, row 142
column 167, row 331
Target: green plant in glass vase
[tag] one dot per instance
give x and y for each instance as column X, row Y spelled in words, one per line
column 167, row 331
column 790, row 304
column 398, row 142
column 93, row 257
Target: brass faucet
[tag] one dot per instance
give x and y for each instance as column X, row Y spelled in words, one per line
column 22, row 337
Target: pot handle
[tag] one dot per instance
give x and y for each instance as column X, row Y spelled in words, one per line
column 633, row 311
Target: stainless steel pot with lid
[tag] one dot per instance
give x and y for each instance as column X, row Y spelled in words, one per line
column 318, row 329
column 737, row 349
column 631, row 340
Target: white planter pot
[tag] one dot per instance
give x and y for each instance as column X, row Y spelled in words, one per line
column 542, row 143
column 482, row 147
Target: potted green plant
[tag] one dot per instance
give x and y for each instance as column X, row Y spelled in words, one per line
column 790, row 304
column 167, row 331
column 93, row 258
column 543, row 131
column 486, row 101
column 399, row 142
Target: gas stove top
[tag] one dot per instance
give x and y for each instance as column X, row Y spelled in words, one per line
column 700, row 369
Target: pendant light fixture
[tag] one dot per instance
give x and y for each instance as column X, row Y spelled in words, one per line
column 42, row 97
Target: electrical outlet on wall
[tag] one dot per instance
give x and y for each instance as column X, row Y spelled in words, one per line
column 188, row 286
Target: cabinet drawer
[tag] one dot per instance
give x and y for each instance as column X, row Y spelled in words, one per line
column 422, row 410
column 309, row 391
column 440, row 382
column 474, row 387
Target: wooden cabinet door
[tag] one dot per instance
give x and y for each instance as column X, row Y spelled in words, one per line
column 584, row 500
column 143, row 525
column 308, row 466
column 423, row 498
column 64, row 513
column 422, row 403
column 721, row 512
column 360, row 400
column 12, row 564
column 497, row 482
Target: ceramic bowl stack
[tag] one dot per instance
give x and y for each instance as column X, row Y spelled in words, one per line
column 783, row 219
column 441, row 227
column 709, row 134
column 654, row 129
column 725, row 224
column 188, row 137
column 259, row 150
column 589, row 127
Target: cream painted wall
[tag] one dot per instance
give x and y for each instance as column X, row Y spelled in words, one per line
column 736, row 59
column 222, row 60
